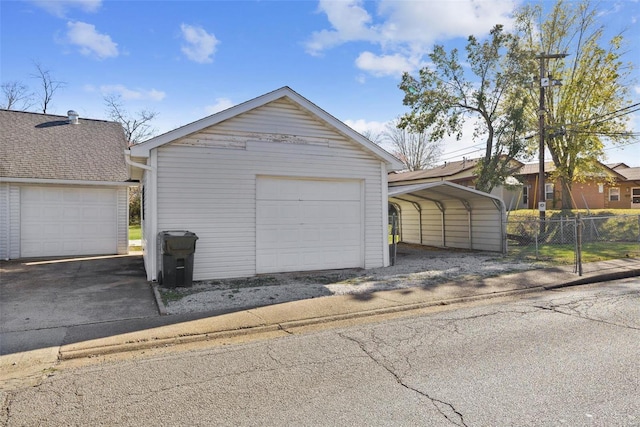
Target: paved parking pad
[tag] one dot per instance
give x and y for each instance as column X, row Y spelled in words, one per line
column 41, row 295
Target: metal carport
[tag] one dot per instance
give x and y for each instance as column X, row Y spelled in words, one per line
column 448, row 215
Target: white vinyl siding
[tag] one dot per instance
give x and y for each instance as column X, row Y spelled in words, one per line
column 14, row 221
column 122, row 220
column 206, row 183
column 9, row 221
column 4, row 221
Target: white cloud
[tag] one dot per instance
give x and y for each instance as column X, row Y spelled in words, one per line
column 200, row 45
column 90, row 41
column 221, row 104
column 385, row 65
column 350, row 22
column 131, row 94
column 405, row 31
column 637, row 89
column 60, row 7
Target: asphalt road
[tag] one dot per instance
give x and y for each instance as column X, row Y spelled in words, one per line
column 565, row 357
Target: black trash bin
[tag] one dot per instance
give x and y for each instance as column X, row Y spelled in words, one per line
column 176, row 260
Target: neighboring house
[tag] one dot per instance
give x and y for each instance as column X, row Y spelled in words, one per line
column 616, row 187
column 461, row 172
column 274, row 184
column 630, row 189
column 63, row 186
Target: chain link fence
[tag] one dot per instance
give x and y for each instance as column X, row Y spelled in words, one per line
column 577, row 240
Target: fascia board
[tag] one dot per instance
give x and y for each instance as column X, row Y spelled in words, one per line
column 69, row 182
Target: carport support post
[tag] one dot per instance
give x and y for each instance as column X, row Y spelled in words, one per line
column 467, row 206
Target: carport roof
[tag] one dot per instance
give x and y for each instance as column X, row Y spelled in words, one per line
column 441, row 191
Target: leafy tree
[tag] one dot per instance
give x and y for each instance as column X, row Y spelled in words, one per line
column 415, row 149
column 589, row 108
column 16, row 96
column 137, row 128
column 445, row 94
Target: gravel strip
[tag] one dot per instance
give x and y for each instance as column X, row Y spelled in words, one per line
column 415, row 266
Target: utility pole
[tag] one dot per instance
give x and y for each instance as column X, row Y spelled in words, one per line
column 545, row 81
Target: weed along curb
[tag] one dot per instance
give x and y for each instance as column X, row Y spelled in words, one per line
column 162, row 309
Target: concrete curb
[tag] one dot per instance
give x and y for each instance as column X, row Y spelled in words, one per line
column 595, row 279
column 282, row 326
column 96, row 349
column 162, row 309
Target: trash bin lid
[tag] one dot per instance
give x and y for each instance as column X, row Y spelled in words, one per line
column 178, row 241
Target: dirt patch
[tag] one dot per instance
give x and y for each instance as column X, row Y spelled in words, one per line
column 415, row 266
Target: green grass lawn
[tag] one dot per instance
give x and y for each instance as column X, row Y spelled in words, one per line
column 564, row 254
column 135, row 233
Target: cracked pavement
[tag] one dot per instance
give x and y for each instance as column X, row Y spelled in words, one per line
column 564, row 357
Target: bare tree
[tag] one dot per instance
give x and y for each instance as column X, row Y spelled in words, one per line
column 372, row 136
column 48, row 86
column 16, row 96
column 416, row 150
column 137, row 128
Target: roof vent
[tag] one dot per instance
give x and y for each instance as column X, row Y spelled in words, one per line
column 73, row 117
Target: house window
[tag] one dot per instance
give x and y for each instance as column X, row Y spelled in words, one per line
column 525, row 195
column 548, row 191
column 614, row 194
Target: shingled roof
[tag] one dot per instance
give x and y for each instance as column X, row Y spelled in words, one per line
column 632, row 174
column 44, row 146
column 446, row 170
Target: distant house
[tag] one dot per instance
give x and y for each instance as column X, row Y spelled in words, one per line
column 274, row 184
column 63, row 186
column 462, row 172
column 616, row 187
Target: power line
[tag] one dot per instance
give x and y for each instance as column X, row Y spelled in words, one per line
column 604, row 117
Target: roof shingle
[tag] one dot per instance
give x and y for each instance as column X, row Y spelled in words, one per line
column 44, row 146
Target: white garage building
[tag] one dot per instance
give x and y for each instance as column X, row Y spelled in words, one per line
column 63, row 186
column 274, row 184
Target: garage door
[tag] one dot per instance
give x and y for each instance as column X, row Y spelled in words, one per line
column 56, row 221
column 308, row 225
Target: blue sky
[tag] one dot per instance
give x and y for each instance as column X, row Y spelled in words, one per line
column 189, row 59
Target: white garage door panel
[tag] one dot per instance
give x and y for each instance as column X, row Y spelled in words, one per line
column 67, row 221
column 308, row 225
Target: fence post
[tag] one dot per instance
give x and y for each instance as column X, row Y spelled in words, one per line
column 579, row 227
column 538, row 235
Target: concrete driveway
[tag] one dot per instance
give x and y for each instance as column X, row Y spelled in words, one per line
column 40, row 299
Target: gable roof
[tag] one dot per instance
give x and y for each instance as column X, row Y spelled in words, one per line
column 616, row 166
column 143, row 149
column 47, row 147
column 632, row 174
